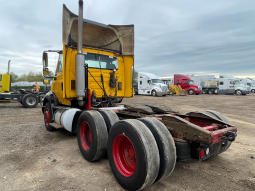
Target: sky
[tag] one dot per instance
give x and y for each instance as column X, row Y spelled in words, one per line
column 187, row 37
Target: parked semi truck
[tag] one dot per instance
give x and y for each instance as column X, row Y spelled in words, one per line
column 150, row 84
column 94, row 75
column 186, row 83
column 226, row 84
column 249, row 83
column 27, row 99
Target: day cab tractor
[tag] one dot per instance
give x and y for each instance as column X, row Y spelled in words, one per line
column 143, row 141
column 27, row 99
column 186, row 83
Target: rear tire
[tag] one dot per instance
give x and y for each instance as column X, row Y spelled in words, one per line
column 92, row 135
column 205, row 91
column 171, row 92
column 110, row 118
column 166, row 146
column 211, row 91
column 30, row 100
column 133, row 154
column 218, row 115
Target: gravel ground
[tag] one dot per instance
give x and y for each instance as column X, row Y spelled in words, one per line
column 33, row 159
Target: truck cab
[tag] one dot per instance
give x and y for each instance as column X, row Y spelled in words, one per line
column 249, row 83
column 186, row 83
column 240, row 89
column 5, row 83
column 150, row 84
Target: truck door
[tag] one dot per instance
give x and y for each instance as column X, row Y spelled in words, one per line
column 57, row 83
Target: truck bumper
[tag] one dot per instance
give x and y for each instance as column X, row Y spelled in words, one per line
column 162, row 93
column 245, row 92
column 198, row 91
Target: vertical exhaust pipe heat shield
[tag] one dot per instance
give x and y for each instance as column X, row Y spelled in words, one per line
column 80, row 60
column 9, row 62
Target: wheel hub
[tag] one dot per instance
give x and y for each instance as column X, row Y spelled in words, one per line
column 47, row 116
column 124, row 155
column 85, row 135
column 31, row 100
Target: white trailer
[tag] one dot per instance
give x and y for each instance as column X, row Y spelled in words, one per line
column 200, row 80
column 150, row 84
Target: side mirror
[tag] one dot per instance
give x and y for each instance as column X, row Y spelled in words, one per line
column 45, row 81
column 45, row 63
column 45, row 60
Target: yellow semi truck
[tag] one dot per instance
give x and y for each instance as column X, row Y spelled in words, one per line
column 27, row 99
column 94, row 75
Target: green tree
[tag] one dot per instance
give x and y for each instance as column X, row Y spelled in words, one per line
column 135, row 78
column 14, row 77
column 23, row 77
column 31, row 76
column 39, row 77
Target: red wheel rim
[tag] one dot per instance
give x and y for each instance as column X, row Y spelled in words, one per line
column 47, row 116
column 124, row 155
column 85, row 136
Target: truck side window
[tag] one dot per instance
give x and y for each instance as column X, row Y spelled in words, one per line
column 0, row 77
column 140, row 82
column 149, row 81
column 60, row 63
column 177, row 82
column 221, row 83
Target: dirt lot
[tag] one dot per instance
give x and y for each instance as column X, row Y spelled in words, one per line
column 33, row 159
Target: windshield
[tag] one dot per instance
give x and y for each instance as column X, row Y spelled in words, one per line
column 106, row 62
column 252, row 84
column 157, row 81
column 190, row 82
column 237, row 82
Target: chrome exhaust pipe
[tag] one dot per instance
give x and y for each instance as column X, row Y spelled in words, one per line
column 80, row 60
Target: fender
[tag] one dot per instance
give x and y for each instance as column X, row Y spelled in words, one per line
column 50, row 96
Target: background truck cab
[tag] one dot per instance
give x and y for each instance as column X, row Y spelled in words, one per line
column 240, row 89
column 150, row 84
column 249, row 83
column 186, row 83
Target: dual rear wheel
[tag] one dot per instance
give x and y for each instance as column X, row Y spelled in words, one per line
column 140, row 152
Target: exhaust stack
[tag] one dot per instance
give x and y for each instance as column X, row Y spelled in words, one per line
column 80, row 60
column 9, row 63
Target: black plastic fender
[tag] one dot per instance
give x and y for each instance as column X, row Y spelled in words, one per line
column 50, row 96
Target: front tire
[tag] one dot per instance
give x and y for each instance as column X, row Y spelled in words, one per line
column 133, row 154
column 92, row 135
column 48, row 117
column 191, row 92
column 238, row 92
column 154, row 93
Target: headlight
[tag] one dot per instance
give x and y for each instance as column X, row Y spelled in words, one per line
column 196, row 89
